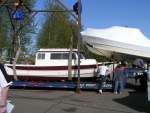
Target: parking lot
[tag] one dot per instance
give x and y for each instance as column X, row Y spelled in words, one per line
column 45, row 100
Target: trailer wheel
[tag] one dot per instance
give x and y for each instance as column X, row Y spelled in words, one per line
column 143, row 80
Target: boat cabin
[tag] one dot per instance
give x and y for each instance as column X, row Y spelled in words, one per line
column 56, row 57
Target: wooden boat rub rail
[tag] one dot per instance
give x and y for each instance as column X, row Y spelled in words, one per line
column 52, row 67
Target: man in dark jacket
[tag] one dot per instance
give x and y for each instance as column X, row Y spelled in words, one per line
column 119, row 75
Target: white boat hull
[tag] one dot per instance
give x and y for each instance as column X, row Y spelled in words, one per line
column 116, row 49
column 50, row 73
column 53, row 65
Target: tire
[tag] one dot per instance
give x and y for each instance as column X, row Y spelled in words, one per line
column 143, row 80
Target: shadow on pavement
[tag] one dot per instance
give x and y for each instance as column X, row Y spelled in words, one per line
column 137, row 99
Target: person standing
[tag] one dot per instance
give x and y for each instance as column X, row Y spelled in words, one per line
column 138, row 63
column 102, row 72
column 4, row 85
column 119, row 75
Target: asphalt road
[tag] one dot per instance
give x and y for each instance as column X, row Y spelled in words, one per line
column 30, row 100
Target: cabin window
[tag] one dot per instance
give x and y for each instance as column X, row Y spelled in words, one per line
column 65, row 56
column 55, row 56
column 41, row 56
column 61, row 56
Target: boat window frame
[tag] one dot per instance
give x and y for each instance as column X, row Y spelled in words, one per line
column 41, row 56
column 62, row 56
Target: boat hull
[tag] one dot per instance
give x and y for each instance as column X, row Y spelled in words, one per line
column 118, row 42
column 115, row 51
column 50, row 73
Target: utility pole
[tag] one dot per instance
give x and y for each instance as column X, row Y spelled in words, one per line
column 79, row 38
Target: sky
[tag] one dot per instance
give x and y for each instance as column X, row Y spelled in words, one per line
column 101, row 14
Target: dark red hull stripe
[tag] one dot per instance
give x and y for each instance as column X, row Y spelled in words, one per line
column 27, row 78
column 52, row 67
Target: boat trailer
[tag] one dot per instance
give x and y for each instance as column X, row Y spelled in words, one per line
column 62, row 85
column 109, row 84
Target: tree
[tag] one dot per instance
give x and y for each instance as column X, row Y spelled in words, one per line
column 3, row 35
column 11, row 41
column 54, row 32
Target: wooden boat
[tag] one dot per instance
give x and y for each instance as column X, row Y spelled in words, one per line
column 52, row 65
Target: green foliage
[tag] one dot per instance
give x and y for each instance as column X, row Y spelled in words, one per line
column 8, row 41
column 3, row 31
column 55, row 32
column 88, row 54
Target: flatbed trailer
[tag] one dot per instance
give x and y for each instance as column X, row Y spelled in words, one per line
column 70, row 85
column 83, row 85
column 137, row 73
